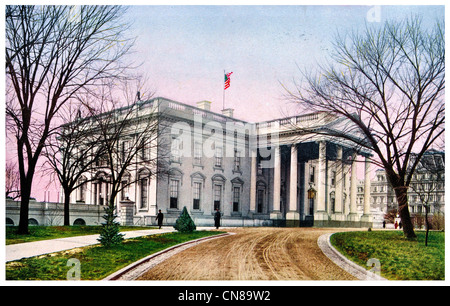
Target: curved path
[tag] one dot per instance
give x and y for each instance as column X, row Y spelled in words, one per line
column 254, row 254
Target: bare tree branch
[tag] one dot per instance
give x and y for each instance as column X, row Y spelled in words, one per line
column 389, row 82
column 51, row 55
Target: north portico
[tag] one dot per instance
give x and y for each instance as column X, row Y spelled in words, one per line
column 311, row 179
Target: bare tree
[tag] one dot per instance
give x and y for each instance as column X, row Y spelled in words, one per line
column 128, row 141
column 52, row 54
column 389, row 83
column 71, row 152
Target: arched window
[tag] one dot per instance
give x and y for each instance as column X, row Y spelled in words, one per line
column 9, row 222
column 32, row 221
column 79, row 222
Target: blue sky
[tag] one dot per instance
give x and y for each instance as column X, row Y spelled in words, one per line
column 185, row 49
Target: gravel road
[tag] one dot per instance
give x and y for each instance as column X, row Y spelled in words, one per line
column 253, row 254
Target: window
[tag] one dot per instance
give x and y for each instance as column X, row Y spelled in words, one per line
column 174, row 193
column 102, row 160
column 218, row 157
column 95, row 194
column 236, row 198
column 105, row 194
column 144, row 151
column 332, row 201
column 197, row 184
column 123, row 151
column 198, row 153
column 312, row 171
column 218, row 183
column 333, row 178
column 237, row 160
column 101, row 191
column 143, row 183
column 236, row 188
column 260, row 200
column 124, row 190
column 82, row 189
column 217, row 196
column 175, row 150
column 125, row 185
column 197, row 194
column 81, row 156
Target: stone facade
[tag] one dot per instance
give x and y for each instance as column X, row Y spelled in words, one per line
column 427, row 186
column 44, row 213
column 258, row 174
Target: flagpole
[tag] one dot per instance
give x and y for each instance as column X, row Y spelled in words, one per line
column 223, row 85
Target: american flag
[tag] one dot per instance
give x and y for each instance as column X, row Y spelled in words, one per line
column 227, row 80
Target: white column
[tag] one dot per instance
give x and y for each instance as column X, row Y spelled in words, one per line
column 321, row 214
column 366, row 217
column 276, row 213
column 253, row 178
column 292, row 213
column 353, row 187
column 339, row 199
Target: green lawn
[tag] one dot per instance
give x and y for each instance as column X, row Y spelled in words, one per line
column 53, row 232
column 96, row 262
column 400, row 259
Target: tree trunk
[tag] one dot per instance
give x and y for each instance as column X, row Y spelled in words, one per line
column 401, row 193
column 66, row 208
column 427, row 224
column 25, row 192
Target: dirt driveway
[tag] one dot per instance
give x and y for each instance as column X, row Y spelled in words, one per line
column 253, row 254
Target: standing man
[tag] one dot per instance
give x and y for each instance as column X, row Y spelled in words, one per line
column 217, row 218
column 159, row 218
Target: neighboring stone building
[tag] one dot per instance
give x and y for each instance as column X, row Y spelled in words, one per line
column 257, row 174
column 427, row 186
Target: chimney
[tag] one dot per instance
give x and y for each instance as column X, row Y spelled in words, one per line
column 228, row 112
column 206, row 105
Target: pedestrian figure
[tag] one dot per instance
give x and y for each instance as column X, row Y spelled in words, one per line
column 160, row 218
column 396, row 225
column 400, row 225
column 384, row 223
column 217, row 218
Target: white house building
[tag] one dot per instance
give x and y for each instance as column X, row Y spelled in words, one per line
column 257, row 174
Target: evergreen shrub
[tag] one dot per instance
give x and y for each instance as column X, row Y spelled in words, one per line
column 184, row 222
